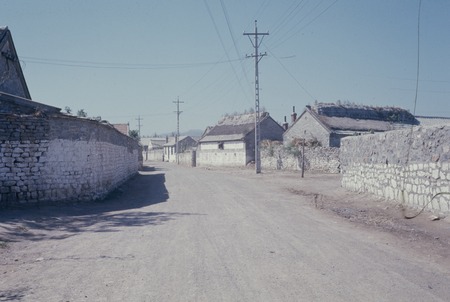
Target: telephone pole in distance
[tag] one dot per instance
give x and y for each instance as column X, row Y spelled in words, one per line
column 139, row 119
column 258, row 56
column 178, row 112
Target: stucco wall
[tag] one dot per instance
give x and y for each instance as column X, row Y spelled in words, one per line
column 389, row 166
column 61, row 158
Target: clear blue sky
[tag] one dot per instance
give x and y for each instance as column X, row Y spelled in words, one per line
column 122, row 59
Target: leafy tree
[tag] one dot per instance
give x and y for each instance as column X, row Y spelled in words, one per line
column 68, row 110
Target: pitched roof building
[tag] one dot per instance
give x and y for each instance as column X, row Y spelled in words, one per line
column 12, row 80
column 185, row 143
column 14, row 95
column 232, row 141
column 327, row 123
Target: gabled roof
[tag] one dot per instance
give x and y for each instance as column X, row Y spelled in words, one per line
column 233, row 128
column 12, row 80
column 171, row 141
column 363, row 112
column 153, row 142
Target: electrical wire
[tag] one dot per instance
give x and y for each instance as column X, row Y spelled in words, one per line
column 410, row 141
column 233, row 39
column 291, row 75
column 290, row 13
column 110, row 65
column 223, row 46
column 284, row 38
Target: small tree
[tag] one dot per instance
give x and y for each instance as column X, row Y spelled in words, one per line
column 134, row 134
column 68, row 110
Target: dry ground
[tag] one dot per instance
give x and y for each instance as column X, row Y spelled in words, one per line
column 182, row 234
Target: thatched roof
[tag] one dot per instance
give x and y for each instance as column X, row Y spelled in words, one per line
column 232, row 128
column 361, row 118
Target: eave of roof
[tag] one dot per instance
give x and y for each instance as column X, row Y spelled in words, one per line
column 350, row 124
column 221, row 138
column 28, row 103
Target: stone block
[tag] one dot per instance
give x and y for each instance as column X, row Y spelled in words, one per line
column 9, row 183
column 5, row 170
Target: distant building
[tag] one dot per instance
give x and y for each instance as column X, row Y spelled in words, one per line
column 152, row 147
column 232, row 141
column 122, row 128
column 185, row 143
column 155, row 143
column 328, row 123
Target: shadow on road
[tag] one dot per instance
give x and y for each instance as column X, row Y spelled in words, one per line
column 13, row 295
column 128, row 206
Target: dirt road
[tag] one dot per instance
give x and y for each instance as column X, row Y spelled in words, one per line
column 183, row 234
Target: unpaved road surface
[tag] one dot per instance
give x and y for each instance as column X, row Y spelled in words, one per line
column 183, row 234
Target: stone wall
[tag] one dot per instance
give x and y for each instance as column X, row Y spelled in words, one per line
column 62, row 158
column 317, row 159
column 410, row 166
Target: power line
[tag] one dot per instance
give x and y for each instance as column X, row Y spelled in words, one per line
column 223, row 44
column 224, row 9
column 287, row 16
column 125, row 66
column 290, row 74
column 282, row 39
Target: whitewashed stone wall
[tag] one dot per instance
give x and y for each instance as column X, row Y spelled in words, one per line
column 224, row 158
column 186, row 158
column 389, row 166
column 154, row 155
column 61, row 158
column 317, row 159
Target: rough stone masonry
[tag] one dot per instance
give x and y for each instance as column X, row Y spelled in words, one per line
column 409, row 166
column 60, row 158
